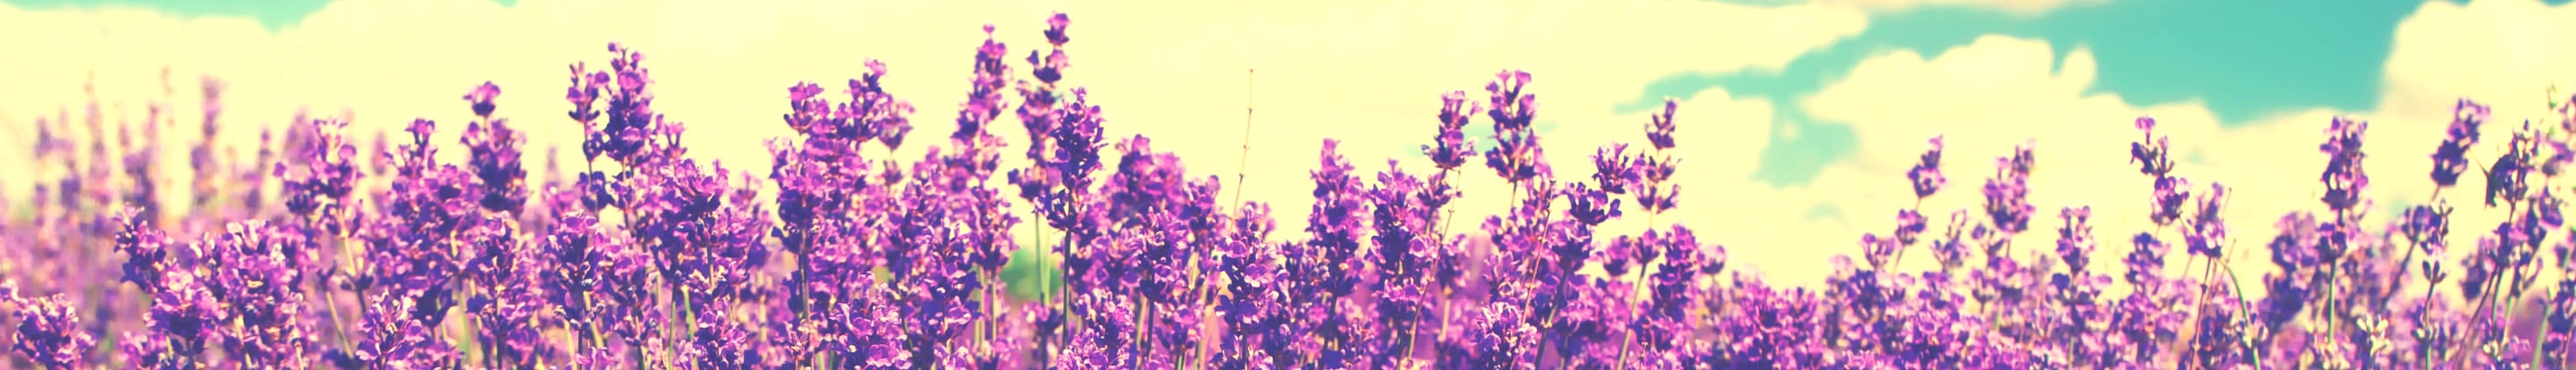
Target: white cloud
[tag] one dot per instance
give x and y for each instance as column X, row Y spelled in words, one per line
column 1999, row 90
column 1993, row 94
column 2504, row 52
column 1985, row 98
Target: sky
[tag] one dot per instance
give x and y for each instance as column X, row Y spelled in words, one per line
column 1798, row 117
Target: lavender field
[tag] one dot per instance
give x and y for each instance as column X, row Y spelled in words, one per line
column 1025, row 234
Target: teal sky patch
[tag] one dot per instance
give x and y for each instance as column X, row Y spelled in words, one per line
column 2245, row 59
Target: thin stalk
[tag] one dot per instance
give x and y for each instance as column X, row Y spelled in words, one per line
column 1639, row 279
column 2525, row 277
column 2540, row 336
column 797, row 293
column 1144, row 328
column 2478, row 327
column 339, row 327
column 2326, row 316
column 2240, row 296
column 2493, row 283
column 1037, row 234
column 983, row 331
column 1441, row 329
column 1073, row 200
column 2330, row 314
column 1046, row 294
column 589, row 329
column 1199, row 306
column 2399, row 277
column 1064, row 304
column 2431, row 288
column 2205, row 276
column 2199, row 297
column 1244, row 160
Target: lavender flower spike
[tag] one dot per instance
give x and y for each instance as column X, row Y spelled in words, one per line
column 1927, row 172
column 2451, row 158
column 49, row 332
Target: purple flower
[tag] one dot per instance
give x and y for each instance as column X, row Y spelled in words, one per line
column 2153, row 154
column 507, row 271
column 1327, row 267
column 1878, row 250
column 146, row 249
column 1335, row 222
column 1406, row 246
column 2345, row 181
column 261, row 291
column 2428, row 227
column 1686, row 261
column 1516, row 156
column 482, row 97
column 1927, row 172
column 2008, row 192
column 494, row 155
column 2146, row 262
column 49, row 331
column 827, row 209
column 2560, row 324
column 411, row 270
column 317, row 188
column 2560, row 156
column 984, row 97
column 1655, row 193
column 2172, row 193
column 182, row 313
column 2510, row 178
column 1453, row 145
column 1659, row 128
column 2293, row 252
column 665, row 261
column 1498, row 338
column 632, row 122
column 2075, row 240
column 1652, row 172
column 202, row 157
column 1951, row 250
column 2451, row 158
column 2224, row 324
column 574, row 254
column 1909, row 227
column 1065, row 138
column 2206, row 233
column 2566, row 110
column 1613, row 170
column 1055, row 29
column 1591, row 206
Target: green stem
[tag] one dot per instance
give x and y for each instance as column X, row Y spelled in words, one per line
column 2541, row 335
column 2240, row 298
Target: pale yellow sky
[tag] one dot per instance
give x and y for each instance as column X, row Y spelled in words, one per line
column 1367, row 72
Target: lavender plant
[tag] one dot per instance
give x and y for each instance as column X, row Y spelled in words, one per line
column 646, row 256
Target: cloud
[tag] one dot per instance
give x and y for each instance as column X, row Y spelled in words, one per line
column 1990, row 95
column 1986, row 98
column 1999, row 90
column 1367, row 72
column 2498, row 51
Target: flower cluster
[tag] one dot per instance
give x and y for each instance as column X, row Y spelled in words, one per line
column 648, row 257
